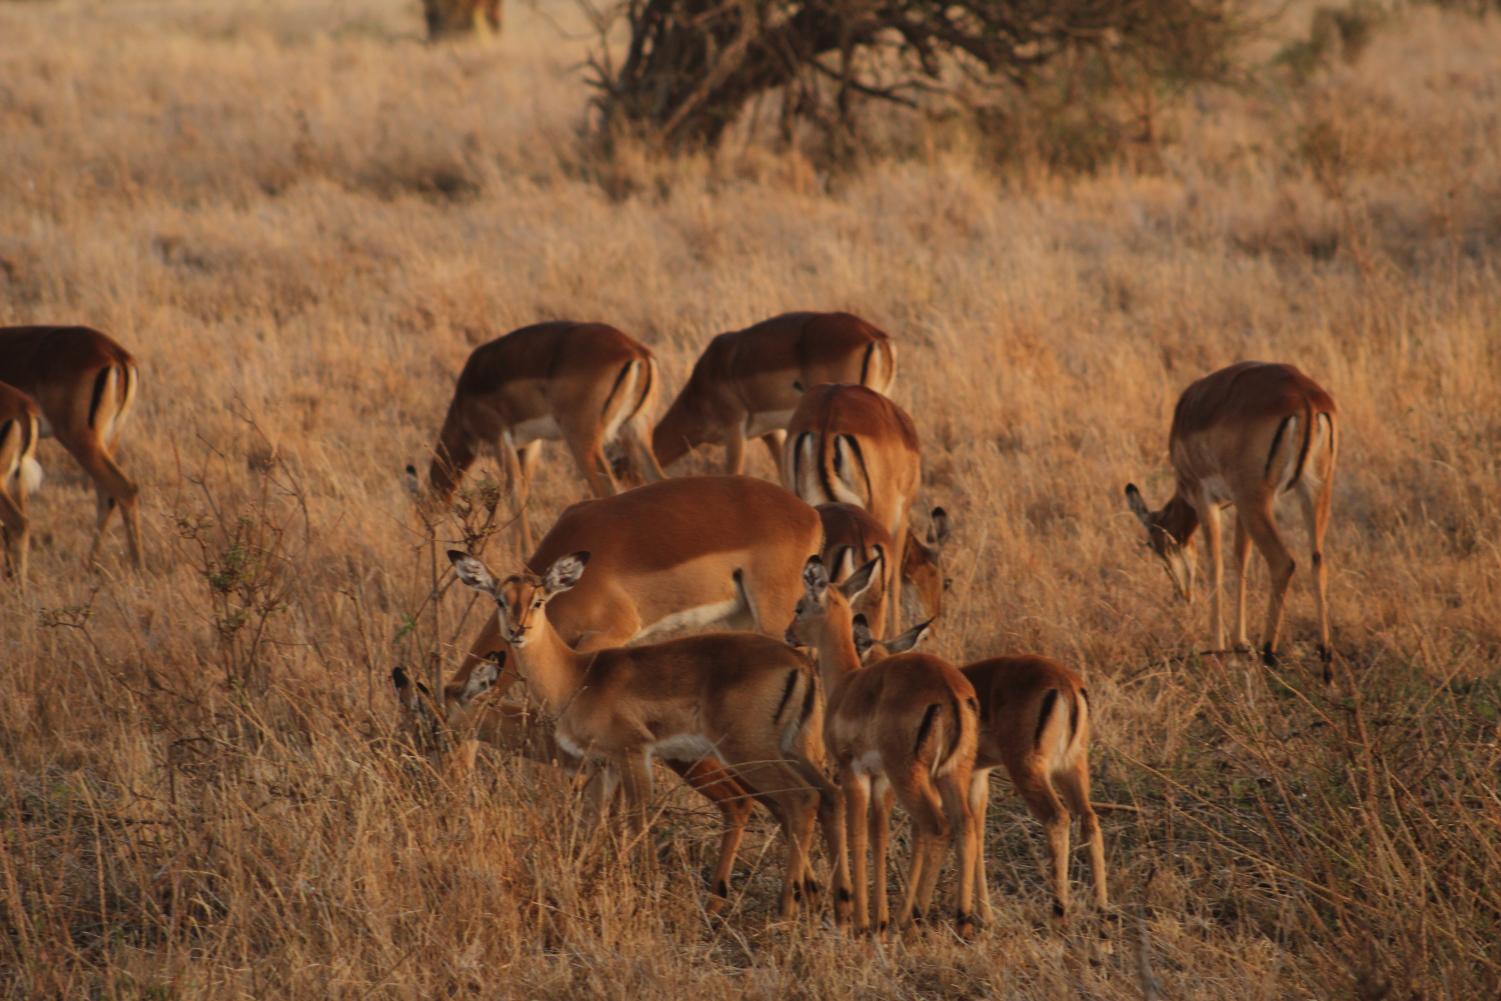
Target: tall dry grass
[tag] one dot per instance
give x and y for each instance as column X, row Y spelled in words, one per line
column 301, row 219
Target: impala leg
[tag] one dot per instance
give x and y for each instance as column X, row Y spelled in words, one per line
column 1073, row 785
column 831, row 817
column 734, row 451
column 635, row 780
column 1240, row 566
column 17, row 533
column 893, row 599
column 881, row 800
column 1316, row 517
column 1209, row 513
column 954, row 788
column 112, row 488
column 518, row 484
column 773, row 440
column 1043, row 803
column 979, row 803
column 1280, row 564
column 856, row 804
column 800, row 812
column 929, row 832
column 715, row 783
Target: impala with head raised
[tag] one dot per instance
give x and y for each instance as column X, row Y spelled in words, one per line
column 906, row 727
column 19, row 475
column 1034, row 722
column 852, row 538
column 850, row 444
column 586, row 384
column 744, row 700
column 745, row 384
column 84, row 385
column 1246, row 436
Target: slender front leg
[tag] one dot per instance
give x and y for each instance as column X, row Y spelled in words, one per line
column 1240, row 566
column 518, row 485
column 734, row 451
column 856, row 801
column 773, row 440
column 1209, row 514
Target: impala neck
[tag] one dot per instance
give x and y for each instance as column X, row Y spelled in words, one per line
column 1179, row 518
column 680, row 429
column 837, row 657
column 551, row 668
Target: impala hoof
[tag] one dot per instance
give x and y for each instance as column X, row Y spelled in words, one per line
column 1267, row 656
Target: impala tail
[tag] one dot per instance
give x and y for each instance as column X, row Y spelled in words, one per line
column 830, row 469
column 113, row 396
column 955, row 727
column 1062, row 725
column 628, row 413
column 878, row 367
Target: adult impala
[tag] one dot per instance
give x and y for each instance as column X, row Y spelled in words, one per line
column 1034, row 722
column 587, row 384
column 19, row 475
column 1246, row 436
column 906, row 726
column 852, row 538
column 851, row 445
column 745, row 384
column 744, row 700
column 84, row 384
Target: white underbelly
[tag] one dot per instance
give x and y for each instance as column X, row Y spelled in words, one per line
column 717, row 614
column 543, row 428
column 684, row 747
column 766, row 421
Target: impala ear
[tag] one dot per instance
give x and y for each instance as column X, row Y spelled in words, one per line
column 565, row 572
column 482, row 678
column 909, row 639
column 1137, row 505
column 472, row 571
column 938, row 531
column 864, row 639
column 861, row 579
column 815, row 577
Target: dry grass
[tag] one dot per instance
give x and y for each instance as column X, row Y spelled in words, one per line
column 301, row 219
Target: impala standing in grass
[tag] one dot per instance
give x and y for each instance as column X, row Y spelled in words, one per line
column 84, row 385
column 851, row 445
column 748, row 382
column 1246, row 436
column 905, row 728
column 745, row 700
column 586, row 384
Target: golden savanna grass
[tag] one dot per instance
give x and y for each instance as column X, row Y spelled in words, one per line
column 301, row 218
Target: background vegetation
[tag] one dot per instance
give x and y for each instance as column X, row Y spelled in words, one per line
column 301, row 217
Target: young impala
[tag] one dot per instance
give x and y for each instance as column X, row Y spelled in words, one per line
column 852, row 445
column 745, row 383
column 587, row 384
column 1034, row 722
column 852, row 538
column 19, row 475
column 84, row 385
column 745, row 700
column 906, row 726
column 1246, row 436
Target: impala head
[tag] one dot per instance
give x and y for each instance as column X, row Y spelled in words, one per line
column 429, row 724
column 922, row 564
column 820, row 598
column 1174, row 552
column 522, row 598
column 871, row 649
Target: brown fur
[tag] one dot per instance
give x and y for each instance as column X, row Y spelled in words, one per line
column 862, row 448
column 852, row 538
column 1034, row 722
column 84, row 385
column 18, row 438
column 918, row 715
column 728, row 691
column 572, row 373
column 1230, row 445
column 755, row 371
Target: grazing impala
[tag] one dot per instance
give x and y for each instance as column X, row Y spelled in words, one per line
column 907, row 725
column 1247, row 435
column 84, row 385
column 744, row 700
column 19, row 475
column 1034, row 722
column 852, row 538
column 852, row 445
column 745, row 385
column 585, row 383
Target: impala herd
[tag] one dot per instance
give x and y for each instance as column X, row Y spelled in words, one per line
column 801, row 698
